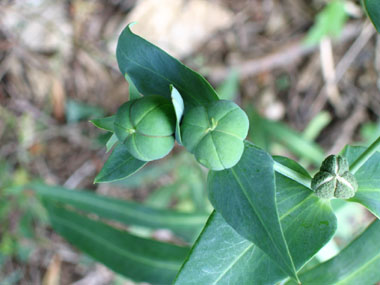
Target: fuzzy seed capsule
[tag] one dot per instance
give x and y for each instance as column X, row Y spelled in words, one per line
column 334, row 179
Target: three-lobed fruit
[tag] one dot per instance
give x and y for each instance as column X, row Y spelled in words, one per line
column 146, row 126
column 215, row 133
column 334, row 179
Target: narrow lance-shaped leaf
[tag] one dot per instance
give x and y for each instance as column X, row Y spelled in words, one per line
column 178, row 108
column 245, row 196
column 104, row 123
column 141, row 259
column 153, row 71
column 119, row 165
column 372, row 7
column 368, row 178
column 186, row 225
column 358, row 263
column 222, row 256
column 111, row 142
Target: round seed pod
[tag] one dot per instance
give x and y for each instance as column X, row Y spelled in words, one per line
column 215, row 134
column 146, row 126
column 334, row 179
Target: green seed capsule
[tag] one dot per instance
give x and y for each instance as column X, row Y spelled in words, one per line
column 146, row 126
column 334, row 179
column 215, row 134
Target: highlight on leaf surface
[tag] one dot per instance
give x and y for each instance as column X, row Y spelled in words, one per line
column 215, row 133
column 334, row 179
column 146, row 126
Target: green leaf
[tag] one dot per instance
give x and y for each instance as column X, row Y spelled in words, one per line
column 329, row 22
column 368, row 178
column 187, row 225
column 179, row 108
column 104, row 123
column 111, row 142
column 372, row 8
column 245, row 196
column 141, row 259
column 358, row 263
column 119, row 165
column 153, row 71
column 133, row 92
column 222, row 256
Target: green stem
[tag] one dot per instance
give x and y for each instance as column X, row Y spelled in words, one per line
column 355, row 166
column 294, row 175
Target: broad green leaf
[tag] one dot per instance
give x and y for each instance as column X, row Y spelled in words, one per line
column 104, row 123
column 179, row 107
column 133, row 92
column 153, row 71
column 358, row 263
column 372, row 8
column 368, row 177
column 222, row 256
column 187, row 225
column 111, row 142
column 329, row 22
column 119, row 165
column 245, row 195
column 140, row 259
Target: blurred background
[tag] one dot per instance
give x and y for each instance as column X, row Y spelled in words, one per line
column 306, row 72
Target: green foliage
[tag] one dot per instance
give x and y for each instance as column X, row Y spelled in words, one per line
column 358, row 263
column 119, row 165
column 146, row 126
column 215, row 134
column 222, row 256
column 138, row 258
column 237, row 194
column 267, row 223
column 329, row 22
column 372, row 8
column 77, row 111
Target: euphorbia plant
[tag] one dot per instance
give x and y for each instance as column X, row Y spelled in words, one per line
column 270, row 216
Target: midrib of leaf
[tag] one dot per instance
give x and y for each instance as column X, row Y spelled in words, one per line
column 118, row 250
column 174, row 220
column 234, row 262
column 263, row 224
column 364, row 266
column 116, row 167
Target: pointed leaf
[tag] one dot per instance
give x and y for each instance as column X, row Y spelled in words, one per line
column 119, row 165
column 368, row 178
column 372, row 7
column 179, row 107
column 153, row 71
column 104, row 123
column 134, row 257
column 245, row 196
column 222, row 256
column 358, row 263
column 186, row 225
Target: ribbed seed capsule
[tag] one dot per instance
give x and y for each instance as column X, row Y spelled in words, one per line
column 334, row 179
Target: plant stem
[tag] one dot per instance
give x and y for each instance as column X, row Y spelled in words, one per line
column 294, row 175
column 355, row 166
